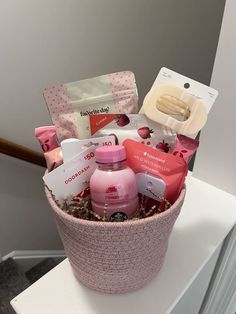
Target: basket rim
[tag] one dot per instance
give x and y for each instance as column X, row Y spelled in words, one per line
column 106, row 224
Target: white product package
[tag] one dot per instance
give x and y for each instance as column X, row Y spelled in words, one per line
column 178, row 102
column 134, row 126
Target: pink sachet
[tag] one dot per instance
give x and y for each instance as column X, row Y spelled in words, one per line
column 46, row 136
column 185, row 147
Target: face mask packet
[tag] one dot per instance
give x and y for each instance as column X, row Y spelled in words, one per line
column 71, row 104
column 168, row 169
column 185, row 147
column 47, row 138
column 72, row 177
column 133, row 126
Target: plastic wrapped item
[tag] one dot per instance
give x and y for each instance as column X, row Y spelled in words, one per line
column 178, row 102
column 53, row 158
column 185, row 147
column 46, row 136
column 134, row 126
column 167, row 172
column 71, row 104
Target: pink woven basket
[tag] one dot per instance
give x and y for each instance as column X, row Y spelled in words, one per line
column 116, row 257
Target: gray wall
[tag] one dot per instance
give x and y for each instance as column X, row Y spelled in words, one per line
column 216, row 159
column 26, row 220
column 54, row 41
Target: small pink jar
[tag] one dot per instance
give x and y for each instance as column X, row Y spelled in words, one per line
column 113, row 184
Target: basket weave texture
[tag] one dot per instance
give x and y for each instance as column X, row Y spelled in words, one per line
column 116, row 257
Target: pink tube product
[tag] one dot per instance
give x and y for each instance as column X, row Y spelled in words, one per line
column 113, row 186
column 46, row 136
column 185, row 147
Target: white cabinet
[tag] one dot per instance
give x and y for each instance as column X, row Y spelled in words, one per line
column 207, row 216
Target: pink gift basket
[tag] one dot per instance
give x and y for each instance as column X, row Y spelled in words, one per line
column 119, row 174
column 116, row 257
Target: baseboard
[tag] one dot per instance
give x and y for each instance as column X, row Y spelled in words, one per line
column 29, row 258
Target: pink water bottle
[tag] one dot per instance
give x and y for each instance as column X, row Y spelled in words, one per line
column 113, row 184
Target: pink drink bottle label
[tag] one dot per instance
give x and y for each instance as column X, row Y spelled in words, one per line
column 113, row 185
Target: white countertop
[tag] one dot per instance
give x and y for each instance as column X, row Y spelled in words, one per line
column 207, row 216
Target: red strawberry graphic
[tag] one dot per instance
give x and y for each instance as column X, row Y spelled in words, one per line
column 163, row 146
column 111, row 189
column 122, row 120
column 180, row 154
column 145, row 132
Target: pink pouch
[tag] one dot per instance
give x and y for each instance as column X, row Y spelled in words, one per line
column 185, row 147
column 53, row 158
column 46, row 136
column 70, row 104
column 168, row 172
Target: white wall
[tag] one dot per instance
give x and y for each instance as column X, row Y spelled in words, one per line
column 26, row 220
column 191, row 301
column 54, row 41
column 216, row 158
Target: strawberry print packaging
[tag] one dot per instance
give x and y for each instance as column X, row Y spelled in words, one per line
column 165, row 172
column 185, row 147
column 134, row 126
column 71, row 104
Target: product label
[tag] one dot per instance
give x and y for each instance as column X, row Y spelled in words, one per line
column 204, row 93
column 83, row 125
column 95, row 111
column 118, row 217
column 115, row 193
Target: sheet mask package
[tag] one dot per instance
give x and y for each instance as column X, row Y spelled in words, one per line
column 165, row 172
column 70, row 104
column 133, row 126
